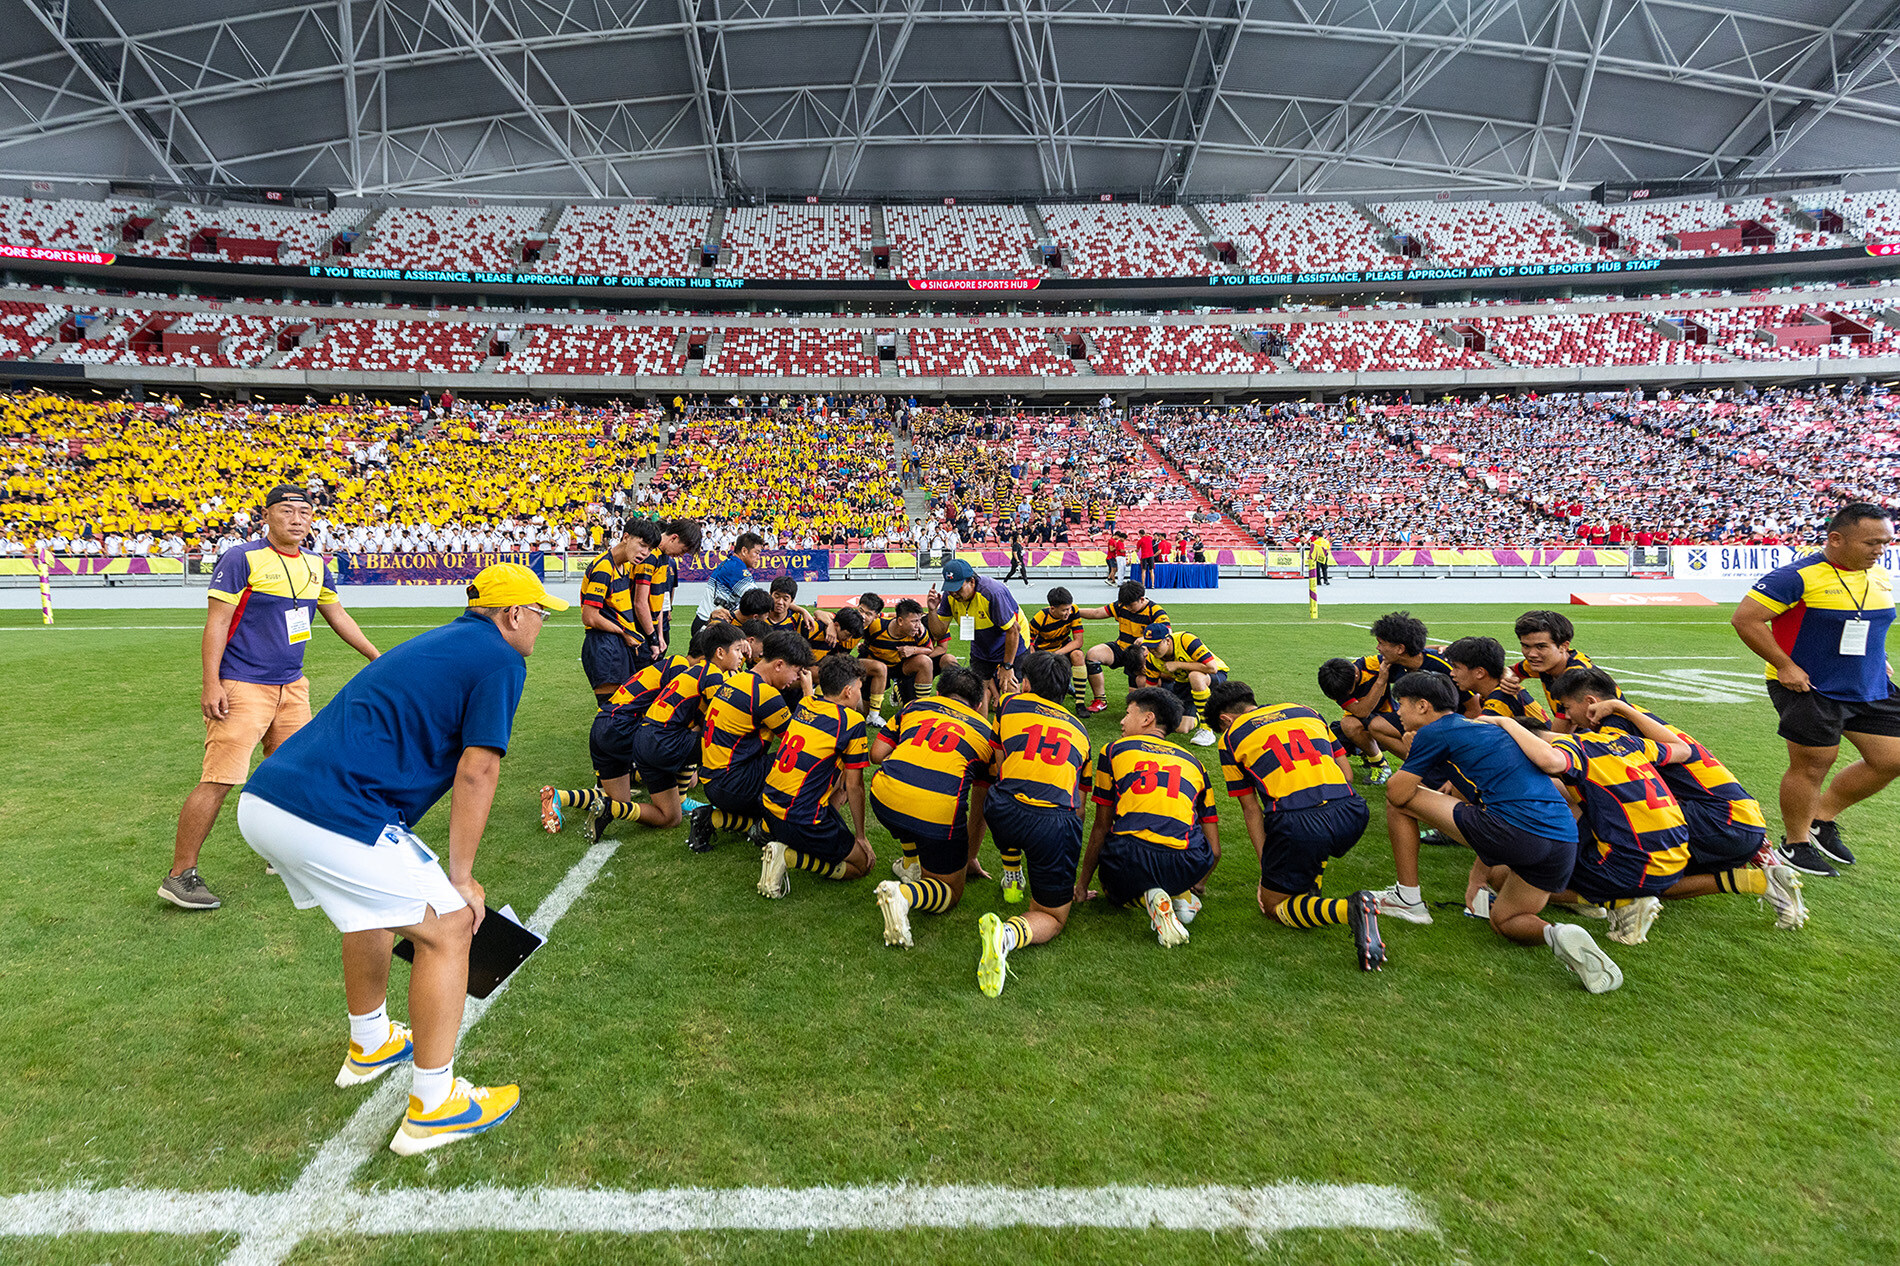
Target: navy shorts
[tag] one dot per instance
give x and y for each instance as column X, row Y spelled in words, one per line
column 1717, row 844
column 1050, row 841
column 606, row 658
column 1300, row 842
column 610, row 745
column 828, row 840
column 986, row 668
column 940, row 850
column 1540, row 862
column 739, row 788
column 1185, row 693
column 666, row 756
column 1624, row 873
column 1129, row 867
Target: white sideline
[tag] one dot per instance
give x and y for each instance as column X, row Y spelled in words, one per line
column 274, row 1221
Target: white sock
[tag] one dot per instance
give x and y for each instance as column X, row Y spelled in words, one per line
column 1008, row 937
column 1410, row 894
column 432, row 1085
column 372, row 1030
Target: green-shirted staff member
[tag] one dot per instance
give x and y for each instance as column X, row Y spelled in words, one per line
column 1821, row 623
column 256, row 628
column 335, row 810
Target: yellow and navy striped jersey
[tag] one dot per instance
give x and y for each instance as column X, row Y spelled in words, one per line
column 1048, row 633
column 742, row 713
column 1612, row 777
column 1132, row 618
column 1518, row 704
column 1814, row 602
column 634, row 695
column 1287, row 755
column 1042, row 753
column 1368, row 665
column 940, row 748
column 1179, row 646
column 823, row 740
column 661, row 576
column 1703, row 780
column 883, row 643
column 677, row 706
column 1158, row 792
column 800, row 622
column 607, row 587
column 1577, row 659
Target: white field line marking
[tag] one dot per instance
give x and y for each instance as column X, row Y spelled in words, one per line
column 421, row 1211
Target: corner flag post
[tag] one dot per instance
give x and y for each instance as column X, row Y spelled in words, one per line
column 43, row 560
column 1312, row 584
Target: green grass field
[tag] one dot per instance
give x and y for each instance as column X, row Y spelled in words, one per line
column 1734, row 1101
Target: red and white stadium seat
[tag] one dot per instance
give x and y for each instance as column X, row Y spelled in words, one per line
column 791, row 240
column 981, row 351
column 962, row 239
column 596, row 349
column 429, row 347
column 1126, row 239
column 634, row 241
column 486, row 238
column 1476, row 234
column 794, row 353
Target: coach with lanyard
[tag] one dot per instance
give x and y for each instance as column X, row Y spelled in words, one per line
column 1821, row 623
column 998, row 643
column 262, row 596
column 335, row 811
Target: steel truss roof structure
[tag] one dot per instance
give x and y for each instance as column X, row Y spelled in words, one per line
column 861, row 98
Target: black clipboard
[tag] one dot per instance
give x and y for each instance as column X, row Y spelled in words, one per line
column 500, row 946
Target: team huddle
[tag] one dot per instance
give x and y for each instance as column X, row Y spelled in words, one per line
column 769, row 722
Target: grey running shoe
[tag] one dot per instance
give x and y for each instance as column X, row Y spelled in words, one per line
column 188, row 892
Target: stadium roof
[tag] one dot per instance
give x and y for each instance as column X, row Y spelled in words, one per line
column 618, row 98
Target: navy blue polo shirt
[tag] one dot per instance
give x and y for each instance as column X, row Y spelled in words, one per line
column 1492, row 772
column 385, row 748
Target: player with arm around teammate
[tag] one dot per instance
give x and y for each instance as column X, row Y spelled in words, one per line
column 1294, row 785
column 1156, row 836
column 1511, row 816
column 1034, row 813
column 1057, row 629
column 334, row 810
column 744, row 712
column 818, row 768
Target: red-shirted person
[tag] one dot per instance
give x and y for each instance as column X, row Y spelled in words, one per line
column 1145, row 555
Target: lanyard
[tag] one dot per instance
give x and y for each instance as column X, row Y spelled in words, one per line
column 1860, row 603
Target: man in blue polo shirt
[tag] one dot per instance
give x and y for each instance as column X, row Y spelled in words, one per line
column 1821, row 624
column 1512, row 816
column 335, row 810
column 1001, row 629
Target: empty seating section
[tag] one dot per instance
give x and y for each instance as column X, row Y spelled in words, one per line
column 1734, row 330
column 596, row 349
column 982, row 350
column 1120, row 239
column 1474, row 234
column 817, row 242
column 793, row 353
column 487, row 238
column 637, row 241
column 1330, row 347
column 204, row 340
column 64, row 223
column 305, row 235
column 26, row 328
column 427, row 347
column 932, row 241
column 1646, row 227
column 1298, row 236
column 1609, row 338
column 1874, row 217
column 1173, row 349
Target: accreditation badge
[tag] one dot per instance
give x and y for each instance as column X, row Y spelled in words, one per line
column 297, row 624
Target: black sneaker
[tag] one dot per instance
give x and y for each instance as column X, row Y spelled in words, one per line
column 1805, row 858
column 1827, row 838
column 598, row 820
column 1362, row 916
column 1432, row 835
column 699, row 830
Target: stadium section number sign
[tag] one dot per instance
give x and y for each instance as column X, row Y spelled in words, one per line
column 1746, row 562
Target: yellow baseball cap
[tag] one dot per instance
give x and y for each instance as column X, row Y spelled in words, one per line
column 511, row 585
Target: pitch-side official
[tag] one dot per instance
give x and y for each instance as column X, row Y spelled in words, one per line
column 335, row 810
column 256, row 628
column 1821, row 623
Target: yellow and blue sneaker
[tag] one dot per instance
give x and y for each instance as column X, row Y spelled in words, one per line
column 469, row 1110
column 550, row 811
column 360, row 1065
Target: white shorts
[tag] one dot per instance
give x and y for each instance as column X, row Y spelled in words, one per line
column 389, row 885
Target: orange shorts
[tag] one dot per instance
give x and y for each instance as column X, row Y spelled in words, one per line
column 257, row 714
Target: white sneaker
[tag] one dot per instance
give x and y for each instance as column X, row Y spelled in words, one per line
column 1629, row 925
column 1479, row 907
column 1186, row 906
column 895, row 907
column 1162, row 919
column 1576, row 950
column 1202, row 737
column 1391, row 903
column 1784, row 893
column 907, row 872
column 773, row 881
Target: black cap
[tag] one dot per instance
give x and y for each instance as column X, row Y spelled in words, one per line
column 286, row 492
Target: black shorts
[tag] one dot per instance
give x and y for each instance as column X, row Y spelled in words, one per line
column 1129, row 867
column 1125, row 656
column 986, row 668
column 1185, row 693
column 1812, row 719
column 610, row 746
column 1050, row 841
column 666, row 756
column 829, row 840
column 1717, row 844
column 739, row 788
column 1623, row 873
column 1300, row 842
column 606, row 658
column 1538, row 861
